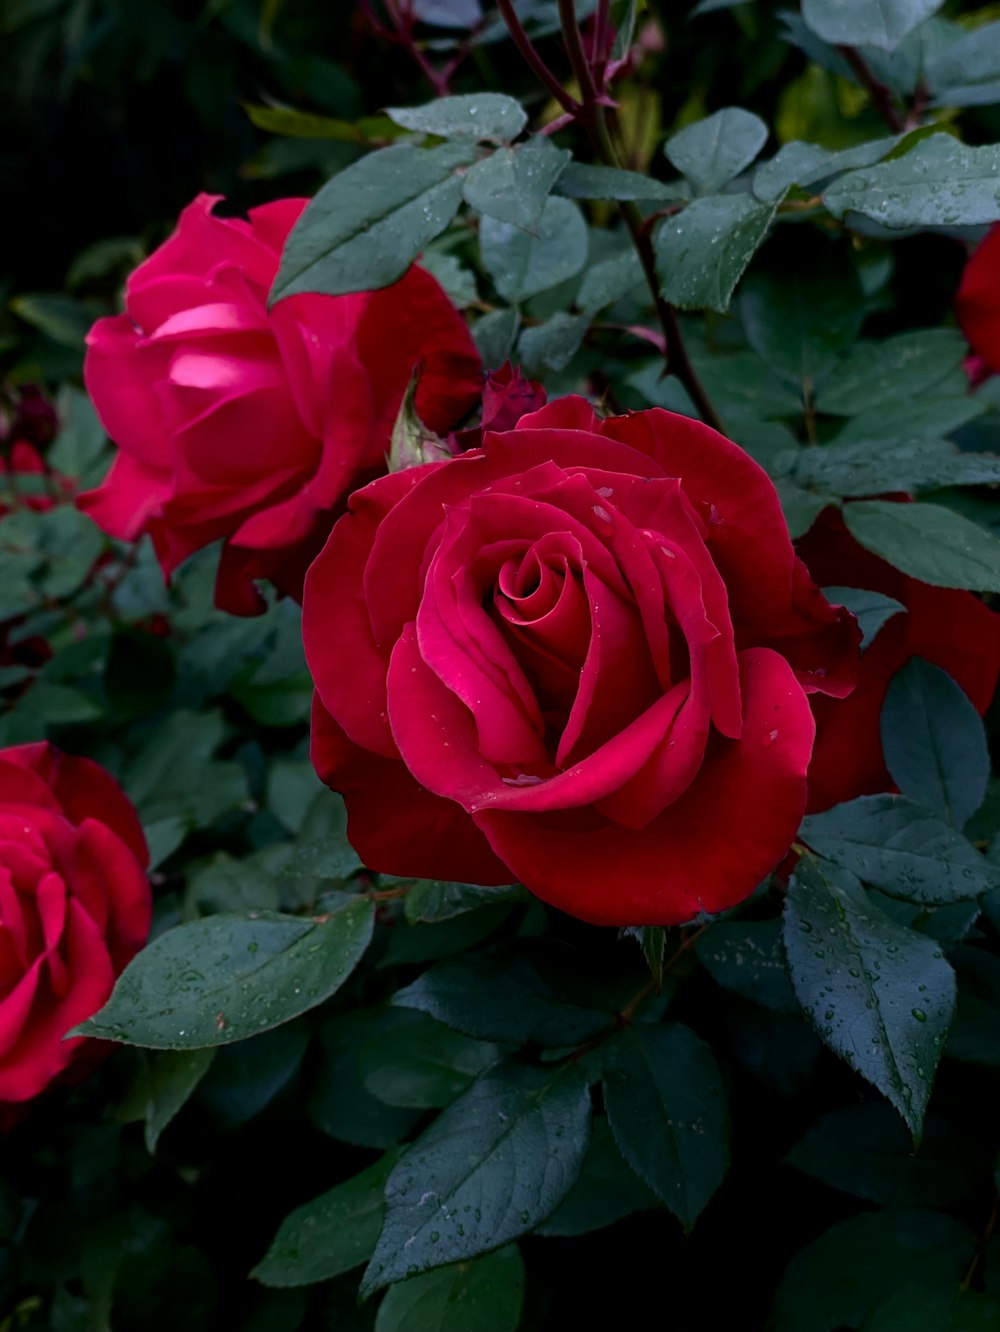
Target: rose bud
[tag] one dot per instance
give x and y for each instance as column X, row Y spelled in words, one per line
column 579, row 657
column 238, row 422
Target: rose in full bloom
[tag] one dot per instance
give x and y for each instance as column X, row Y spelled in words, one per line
column 578, row 657
column 74, row 907
column 238, row 422
column 949, row 628
column 978, row 306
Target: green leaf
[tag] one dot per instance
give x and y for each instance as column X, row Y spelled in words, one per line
column 459, row 282
column 967, row 68
column 807, row 164
column 934, row 742
column 882, row 23
column 864, row 468
column 414, row 1062
column 800, row 507
column 609, row 280
column 60, row 318
column 652, row 939
column 879, row 995
column 484, row 1295
column 714, row 150
column 873, row 373
column 490, row 1168
column 799, row 323
column 512, row 184
column 928, row 542
column 871, row 609
column 748, row 957
column 228, row 977
column 703, row 252
column 294, row 124
column 553, row 344
column 920, row 1307
column 480, row 117
column 433, row 900
column 247, row 1076
column 330, row 1234
column 917, row 418
column 494, row 336
column 338, row 1103
column 901, row 848
column 667, row 1110
column 581, row 181
column 164, row 1084
column 939, row 183
column 366, row 226
column 506, row 1000
column 521, row 265
column 838, row 1279
column 865, row 1150
column 605, row 1191
column 428, row 942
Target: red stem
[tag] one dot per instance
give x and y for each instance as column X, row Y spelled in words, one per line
column 525, row 45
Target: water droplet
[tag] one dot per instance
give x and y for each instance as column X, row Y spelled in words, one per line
column 919, row 1014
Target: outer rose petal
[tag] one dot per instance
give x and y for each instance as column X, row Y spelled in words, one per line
column 120, row 374
column 978, row 300
column 707, row 851
column 396, row 826
column 951, row 629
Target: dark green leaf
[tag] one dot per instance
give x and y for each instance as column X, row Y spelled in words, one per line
column 494, row 335
column 339, row 1103
column 580, row 181
column 866, row 1151
column 609, row 280
column 882, row 23
column 520, row 264
column 702, row 253
column 414, row 1062
column 938, row 183
column 928, row 542
column 366, row 226
column 838, row 1279
column 919, row 418
column 879, row 995
column 605, row 1191
column 428, row 942
column 228, row 977
column 490, row 1168
column 870, row 466
column 798, row 324
column 164, row 1084
column 873, row 373
column 652, row 939
column 668, row 1113
column 748, row 958
column 332, row 1233
column 512, row 184
column 501, row 1001
column 800, row 507
column 807, row 164
column 901, row 848
column 975, row 1034
column 552, row 345
column 871, row 609
column 484, row 1295
column 934, row 744
column 920, row 1307
column 433, row 900
column 714, row 150
column 482, row 117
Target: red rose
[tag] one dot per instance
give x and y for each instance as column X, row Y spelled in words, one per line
column 23, row 476
column 251, row 424
column 978, row 306
column 507, row 396
column 951, row 629
column 579, row 658
column 74, row 906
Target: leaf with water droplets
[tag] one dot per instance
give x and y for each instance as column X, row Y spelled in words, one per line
column 934, row 742
column 521, row 264
column 702, row 253
column 882, row 23
column 879, row 995
column 485, row 1295
column 748, row 957
column 230, row 976
column 901, row 848
column 329, row 1234
column 484, row 117
column 513, row 184
column 488, row 1169
column 367, row 225
column 668, row 1113
column 714, row 150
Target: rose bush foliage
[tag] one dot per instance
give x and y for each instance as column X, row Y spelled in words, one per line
column 252, row 424
column 593, row 677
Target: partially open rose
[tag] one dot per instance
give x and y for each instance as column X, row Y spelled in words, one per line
column 578, row 657
column 952, row 629
column 74, row 907
column 251, row 424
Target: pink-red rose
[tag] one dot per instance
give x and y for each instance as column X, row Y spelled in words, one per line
column 579, row 657
column 952, row 629
column 978, row 307
column 238, row 422
column 74, row 907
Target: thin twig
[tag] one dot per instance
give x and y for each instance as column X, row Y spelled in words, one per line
column 878, row 91
column 525, row 45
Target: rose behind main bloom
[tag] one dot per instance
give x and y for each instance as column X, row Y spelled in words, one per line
column 949, row 628
column 579, row 657
column 978, row 306
column 238, row 422
column 74, row 907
